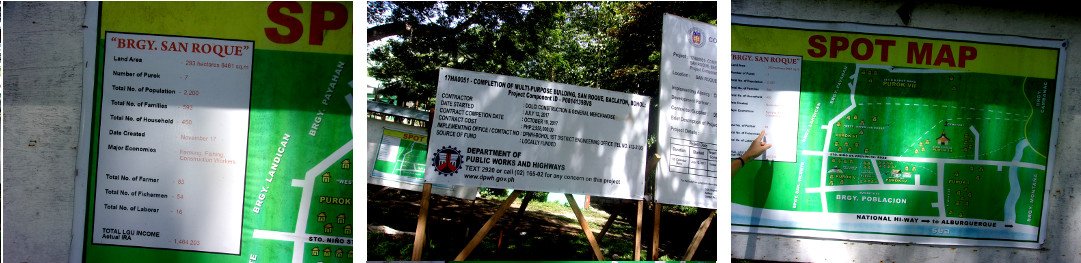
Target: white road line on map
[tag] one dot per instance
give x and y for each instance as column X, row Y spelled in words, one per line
column 975, row 152
column 1009, row 208
column 829, row 130
column 297, row 237
column 936, row 160
column 871, row 187
column 941, row 204
column 874, row 164
column 308, row 184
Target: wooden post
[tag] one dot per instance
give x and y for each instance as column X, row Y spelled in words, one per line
column 656, row 229
column 422, row 222
column 607, row 225
column 422, row 217
column 638, row 233
column 487, row 226
column 698, row 236
column 585, row 227
column 380, row 191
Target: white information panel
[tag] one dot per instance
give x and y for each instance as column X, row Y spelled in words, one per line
column 508, row 132
column 687, row 174
column 765, row 96
column 173, row 142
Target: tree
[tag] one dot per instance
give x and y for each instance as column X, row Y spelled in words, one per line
column 608, row 45
column 493, row 37
column 637, row 46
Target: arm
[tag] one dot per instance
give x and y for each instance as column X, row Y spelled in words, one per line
column 757, row 148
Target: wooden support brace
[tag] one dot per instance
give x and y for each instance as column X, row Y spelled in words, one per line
column 638, row 233
column 607, row 225
column 585, row 227
column 422, row 223
column 487, row 226
column 698, row 236
column 380, row 191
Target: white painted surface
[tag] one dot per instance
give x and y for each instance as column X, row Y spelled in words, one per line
column 43, row 73
column 1064, row 218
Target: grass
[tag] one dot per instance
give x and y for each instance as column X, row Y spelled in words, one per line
column 546, row 231
column 596, row 218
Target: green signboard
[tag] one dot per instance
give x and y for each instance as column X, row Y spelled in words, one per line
column 218, row 132
column 401, row 156
column 897, row 135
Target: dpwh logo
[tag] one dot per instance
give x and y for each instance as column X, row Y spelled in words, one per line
column 696, row 37
column 447, row 160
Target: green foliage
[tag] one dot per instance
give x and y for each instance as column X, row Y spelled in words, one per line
column 687, row 210
column 538, row 197
column 608, row 45
column 636, row 51
column 493, row 37
column 486, row 192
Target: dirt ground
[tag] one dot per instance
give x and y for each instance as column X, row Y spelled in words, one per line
column 392, row 219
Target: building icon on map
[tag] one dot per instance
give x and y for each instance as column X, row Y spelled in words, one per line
column 943, row 140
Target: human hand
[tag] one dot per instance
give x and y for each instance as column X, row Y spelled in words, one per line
column 757, row 147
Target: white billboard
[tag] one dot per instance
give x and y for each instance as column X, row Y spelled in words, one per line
column 687, row 135
column 509, row 132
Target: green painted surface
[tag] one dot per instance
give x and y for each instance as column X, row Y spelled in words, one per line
column 939, row 118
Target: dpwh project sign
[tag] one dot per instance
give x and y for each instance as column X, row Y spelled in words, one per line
column 508, row 132
column 687, row 174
